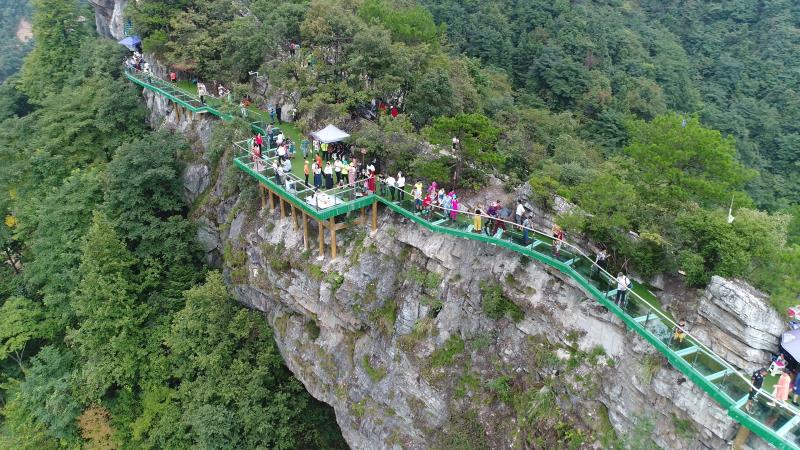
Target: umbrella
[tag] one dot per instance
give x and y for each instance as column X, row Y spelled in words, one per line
column 790, row 342
column 131, row 42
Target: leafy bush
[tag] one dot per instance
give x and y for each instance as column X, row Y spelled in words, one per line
column 496, row 305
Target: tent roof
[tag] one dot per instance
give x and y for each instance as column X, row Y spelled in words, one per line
column 330, row 134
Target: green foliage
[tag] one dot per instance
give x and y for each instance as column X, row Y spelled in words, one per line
column 496, row 305
column 477, row 135
column 501, row 386
column 448, row 352
column 465, row 432
column 375, row 374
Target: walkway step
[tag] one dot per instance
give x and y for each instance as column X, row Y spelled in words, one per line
column 687, row 351
column 440, row 221
column 718, row 375
column 793, row 422
column 644, row 318
column 571, row 261
column 499, row 234
column 535, row 244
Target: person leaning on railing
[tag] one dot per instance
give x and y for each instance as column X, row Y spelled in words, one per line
column 757, row 380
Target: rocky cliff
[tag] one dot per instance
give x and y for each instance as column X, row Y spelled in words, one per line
column 420, row 340
column 109, row 17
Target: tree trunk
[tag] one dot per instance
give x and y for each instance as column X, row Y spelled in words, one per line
column 11, row 261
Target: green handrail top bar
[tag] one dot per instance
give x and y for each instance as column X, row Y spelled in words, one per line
column 319, row 214
column 176, row 96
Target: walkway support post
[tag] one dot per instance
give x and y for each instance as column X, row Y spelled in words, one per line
column 305, row 231
column 321, row 239
column 283, row 210
column 375, row 215
column 263, row 189
column 333, row 237
column 271, row 200
column 294, row 216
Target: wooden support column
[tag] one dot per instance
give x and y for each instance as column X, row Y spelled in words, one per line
column 321, row 239
column 333, row 237
column 283, row 210
column 263, row 190
column 305, row 230
column 271, row 200
column 294, row 216
column 178, row 111
column 375, row 216
column 364, row 216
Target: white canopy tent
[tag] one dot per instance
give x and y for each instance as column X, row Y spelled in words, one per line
column 330, row 134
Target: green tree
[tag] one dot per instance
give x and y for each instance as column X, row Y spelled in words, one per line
column 110, row 330
column 477, row 138
column 21, row 322
column 431, row 97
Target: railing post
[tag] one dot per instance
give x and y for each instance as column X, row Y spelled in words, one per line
column 647, row 318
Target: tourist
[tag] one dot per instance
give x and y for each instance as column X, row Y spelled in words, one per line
column 371, row 182
column 345, row 171
column 278, row 174
column 281, row 153
column 456, row 141
column 426, row 205
column 173, row 77
column 527, row 225
column 394, row 112
column 401, row 185
column 287, row 166
column 278, row 111
column 454, row 208
column 623, row 284
column 304, row 148
column 477, row 220
column 756, row 381
column 492, row 212
column 337, row 168
column 432, row 189
column 382, row 184
column 319, row 160
column 271, row 110
column 292, row 148
column 279, row 140
column 416, row 193
column 391, row 182
column 440, row 197
column 778, row 365
column 781, row 390
column 306, row 171
column 558, row 239
column 256, row 156
column 519, row 213
column 259, row 140
column 317, row 170
column 446, row 205
column 679, row 333
column 328, row 175
column 203, row 92
column 600, row 261
column 316, row 147
column 796, row 389
column 352, row 172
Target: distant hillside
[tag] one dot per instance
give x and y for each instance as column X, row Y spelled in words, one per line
column 16, row 37
column 735, row 63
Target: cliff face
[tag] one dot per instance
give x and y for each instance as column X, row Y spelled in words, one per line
column 109, row 17
column 418, row 339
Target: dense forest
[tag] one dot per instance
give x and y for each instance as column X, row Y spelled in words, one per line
column 113, row 333
column 15, row 41
column 652, row 116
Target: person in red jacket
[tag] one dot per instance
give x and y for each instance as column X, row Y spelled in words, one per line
column 394, row 111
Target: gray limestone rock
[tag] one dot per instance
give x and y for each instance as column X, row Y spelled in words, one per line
column 196, row 179
column 738, row 323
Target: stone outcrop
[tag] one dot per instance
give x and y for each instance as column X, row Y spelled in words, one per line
column 109, row 17
column 738, row 323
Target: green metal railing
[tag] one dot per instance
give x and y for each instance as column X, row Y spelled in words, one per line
column 777, row 424
column 189, row 101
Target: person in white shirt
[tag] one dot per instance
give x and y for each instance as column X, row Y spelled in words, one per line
column 279, row 139
column 401, row 184
column 622, row 290
column 337, row 168
column 456, row 141
column 519, row 214
column 281, row 153
column 391, row 183
column 287, row 166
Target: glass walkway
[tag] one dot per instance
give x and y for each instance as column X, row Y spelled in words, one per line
column 778, row 424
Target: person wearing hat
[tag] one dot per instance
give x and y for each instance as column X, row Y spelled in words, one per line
column 306, row 171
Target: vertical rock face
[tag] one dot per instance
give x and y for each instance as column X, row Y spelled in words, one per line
column 738, row 323
column 109, row 17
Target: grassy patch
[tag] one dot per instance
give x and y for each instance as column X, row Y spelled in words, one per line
column 336, row 280
column 275, row 258
column 422, row 328
column 501, row 387
column 447, row 353
column 683, row 427
column 359, row 408
column 312, row 329
column 469, row 382
column 465, row 432
column 496, row 305
column 316, row 272
column 385, row 316
column 650, row 365
column 375, row 374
